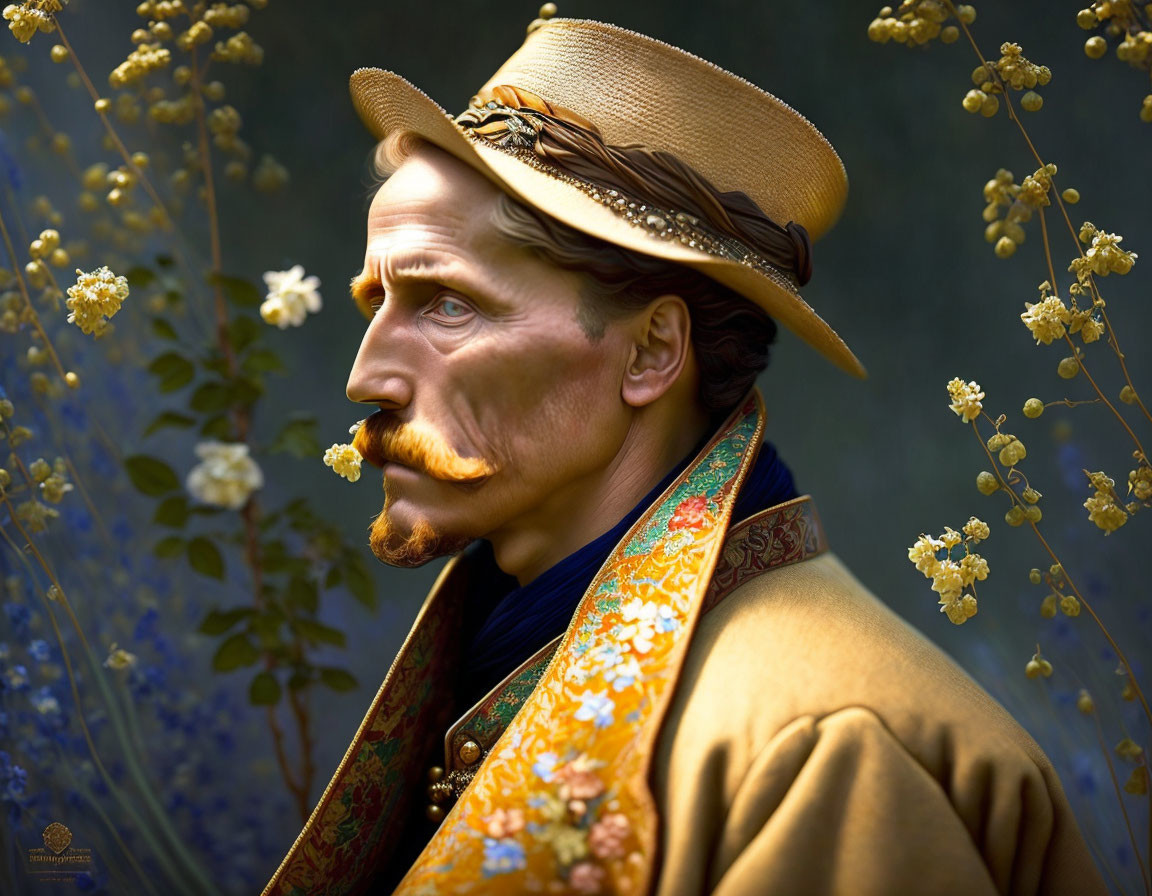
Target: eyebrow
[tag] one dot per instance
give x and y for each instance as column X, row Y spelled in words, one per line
column 364, row 285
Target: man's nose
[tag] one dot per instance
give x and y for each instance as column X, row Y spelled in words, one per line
column 379, row 374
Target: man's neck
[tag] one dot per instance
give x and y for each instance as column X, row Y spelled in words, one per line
column 591, row 505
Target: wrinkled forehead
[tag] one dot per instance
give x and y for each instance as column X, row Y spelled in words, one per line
column 435, row 192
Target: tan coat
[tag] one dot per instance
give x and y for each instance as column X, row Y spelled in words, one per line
column 730, row 712
column 818, row 744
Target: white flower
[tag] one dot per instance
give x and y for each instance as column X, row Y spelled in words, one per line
column 291, row 296
column 226, row 476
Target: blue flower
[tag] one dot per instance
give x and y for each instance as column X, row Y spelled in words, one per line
column 45, row 702
column 595, row 708
column 16, row 678
column 544, row 765
column 502, row 857
column 19, row 616
column 39, row 650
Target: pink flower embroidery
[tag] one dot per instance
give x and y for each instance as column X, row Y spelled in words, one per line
column 578, row 784
column 586, row 877
column 691, row 514
column 608, row 836
column 504, row 823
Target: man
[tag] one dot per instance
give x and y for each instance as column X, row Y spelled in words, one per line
column 642, row 671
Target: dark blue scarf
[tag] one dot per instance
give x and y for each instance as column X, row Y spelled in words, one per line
column 524, row 619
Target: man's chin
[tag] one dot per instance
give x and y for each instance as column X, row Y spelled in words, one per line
column 413, row 548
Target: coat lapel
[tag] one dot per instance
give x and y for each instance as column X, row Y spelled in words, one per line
column 563, row 796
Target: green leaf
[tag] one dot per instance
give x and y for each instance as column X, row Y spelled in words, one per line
column 266, row 628
column 243, row 330
column 335, row 577
column 162, row 328
column 172, row 546
column 173, row 370
column 299, row 680
column 338, row 679
column 219, row 621
column 264, row 690
column 298, row 438
column 235, row 652
column 210, row 398
column 139, row 277
column 318, row 632
column 218, row 426
column 239, row 291
column 172, row 512
column 169, row 418
column 164, row 261
column 303, row 594
column 205, row 557
column 245, row 390
column 263, row 360
column 358, row 580
column 151, row 475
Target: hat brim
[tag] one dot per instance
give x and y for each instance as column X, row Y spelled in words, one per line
column 388, row 103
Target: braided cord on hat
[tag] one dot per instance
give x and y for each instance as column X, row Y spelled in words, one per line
column 650, row 188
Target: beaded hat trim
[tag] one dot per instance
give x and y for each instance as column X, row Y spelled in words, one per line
column 517, row 138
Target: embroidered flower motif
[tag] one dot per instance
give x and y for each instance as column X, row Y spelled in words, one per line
column 623, row 674
column 691, row 513
column 545, row 765
column 504, row 823
column 579, row 782
column 640, row 628
column 608, row 836
column 586, row 877
column 502, row 857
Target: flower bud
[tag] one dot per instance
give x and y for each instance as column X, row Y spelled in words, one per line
column 1085, row 703
column 973, row 101
column 1005, row 247
column 1014, row 516
column 1033, row 408
column 1068, row 368
column 1031, row 495
column 987, row 483
column 1048, row 607
column 1095, row 47
column 1069, row 605
column 1071, row 195
column 1032, row 101
column 1034, row 514
column 1128, row 395
column 1035, row 576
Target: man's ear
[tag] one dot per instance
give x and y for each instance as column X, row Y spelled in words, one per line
column 662, row 341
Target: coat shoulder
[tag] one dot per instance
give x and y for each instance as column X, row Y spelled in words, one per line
column 808, row 648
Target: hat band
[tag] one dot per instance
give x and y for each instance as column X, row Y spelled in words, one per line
column 555, row 140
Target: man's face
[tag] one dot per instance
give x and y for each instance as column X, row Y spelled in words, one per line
column 476, row 352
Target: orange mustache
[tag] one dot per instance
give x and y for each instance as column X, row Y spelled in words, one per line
column 381, row 439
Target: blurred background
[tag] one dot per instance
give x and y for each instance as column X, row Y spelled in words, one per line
column 905, row 277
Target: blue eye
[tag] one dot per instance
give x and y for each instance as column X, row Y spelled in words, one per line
column 450, row 310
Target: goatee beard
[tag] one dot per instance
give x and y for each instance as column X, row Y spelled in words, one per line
column 418, row 547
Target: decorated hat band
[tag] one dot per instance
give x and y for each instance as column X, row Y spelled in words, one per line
column 554, row 140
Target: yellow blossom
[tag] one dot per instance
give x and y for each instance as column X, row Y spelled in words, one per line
column 95, row 297
column 973, row 568
column 966, row 399
column 344, row 460
column 1103, row 257
column 923, row 554
column 25, row 19
column 119, row 658
column 1103, row 509
column 1140, row 483
column 958, row 609
column 1046, row 319
column 976, row 529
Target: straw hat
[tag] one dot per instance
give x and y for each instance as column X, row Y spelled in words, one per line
column 637, row 90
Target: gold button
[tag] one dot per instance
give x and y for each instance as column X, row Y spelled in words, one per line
column 435, row 773
column 469, row 752
column 440, row 792
column 434, row 813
